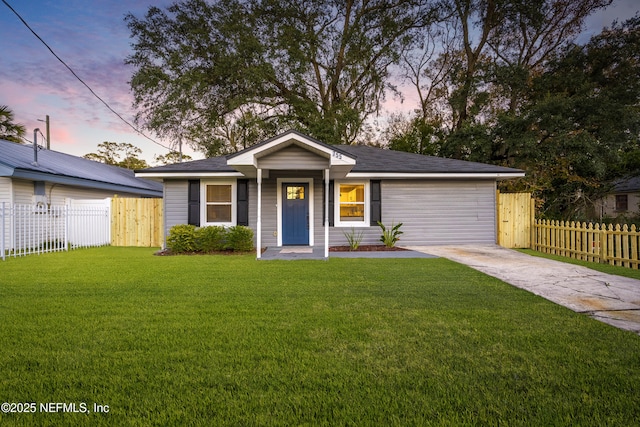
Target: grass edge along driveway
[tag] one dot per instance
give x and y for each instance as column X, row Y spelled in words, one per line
column 228, row 340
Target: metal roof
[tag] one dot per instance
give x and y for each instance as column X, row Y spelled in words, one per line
column 19, row 161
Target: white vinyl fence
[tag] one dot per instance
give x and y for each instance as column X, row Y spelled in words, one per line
column 35, row 229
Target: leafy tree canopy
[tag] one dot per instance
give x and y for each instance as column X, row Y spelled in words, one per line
column 122, row 154
column 576, row 129
column 220, row 74
column 171, row 158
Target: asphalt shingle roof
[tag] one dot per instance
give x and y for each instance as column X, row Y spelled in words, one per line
column 627, row 185
column 372, row 159
column 212, row 164
column 18, row 160
column 368, row 159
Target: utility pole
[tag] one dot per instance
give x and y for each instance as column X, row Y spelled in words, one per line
column 46, row 121
column 48, row 134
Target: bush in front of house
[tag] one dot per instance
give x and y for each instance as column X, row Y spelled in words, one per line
column 182, row 238
column 239, row 238
column 211, row 239
column 185, row 238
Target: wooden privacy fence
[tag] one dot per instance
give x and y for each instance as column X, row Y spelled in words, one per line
column 136, row 222
column 619, row 245
column 515, row 213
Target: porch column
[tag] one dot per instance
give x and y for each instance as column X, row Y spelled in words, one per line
column 326, row 213
column 259, row 219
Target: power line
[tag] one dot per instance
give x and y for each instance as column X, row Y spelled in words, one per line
column 82, row 81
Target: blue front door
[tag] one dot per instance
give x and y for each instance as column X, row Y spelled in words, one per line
column 295, row 214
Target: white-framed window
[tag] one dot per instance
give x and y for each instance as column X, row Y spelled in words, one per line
column 351, row 204
column 218, row 203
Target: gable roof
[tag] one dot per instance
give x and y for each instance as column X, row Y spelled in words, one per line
column 285, row 139
column 17, row 161
column 361, row 161
column 627, row 185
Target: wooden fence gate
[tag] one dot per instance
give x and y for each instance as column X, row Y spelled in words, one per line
column 515, row 213
column 136, row 222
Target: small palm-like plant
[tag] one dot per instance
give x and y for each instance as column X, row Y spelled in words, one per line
column 390, row 236
column 353, row 238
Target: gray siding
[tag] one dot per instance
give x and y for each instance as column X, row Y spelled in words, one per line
column 434, row 213
column 269, row 212
column 5, row 190
column 175, row 203
column 58, row 194
column 293, row 157
column 441, row 212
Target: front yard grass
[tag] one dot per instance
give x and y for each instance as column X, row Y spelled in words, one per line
column 228, row 340
column 603, row 268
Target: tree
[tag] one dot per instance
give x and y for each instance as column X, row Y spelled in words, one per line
column 322, row 67
column 9, row 130
column 122, row 154
column 579, row 128
column 530, row 34
column 480, row 60
column 171, row 158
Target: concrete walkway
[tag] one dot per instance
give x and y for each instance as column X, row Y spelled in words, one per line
column 611, row 299
column 306, row 252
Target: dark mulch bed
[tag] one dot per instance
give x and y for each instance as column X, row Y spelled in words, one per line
column 168, row 252
column 365, row 248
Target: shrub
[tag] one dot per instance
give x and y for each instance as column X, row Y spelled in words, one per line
column 353, row 238
column 390, row 236
column 188, row 239
column 211, row 239
column 182, row 238
column 239, row 238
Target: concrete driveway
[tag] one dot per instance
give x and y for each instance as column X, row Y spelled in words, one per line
column 611, row 299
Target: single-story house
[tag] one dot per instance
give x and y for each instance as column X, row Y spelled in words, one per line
column 295, row 190
column 622, row 200
column 47, row 177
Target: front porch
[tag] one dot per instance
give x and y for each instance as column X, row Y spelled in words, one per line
column 297, row 170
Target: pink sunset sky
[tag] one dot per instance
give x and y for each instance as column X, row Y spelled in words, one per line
column 92, row 38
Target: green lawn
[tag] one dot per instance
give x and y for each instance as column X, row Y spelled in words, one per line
column 228, row 340
column 604, row 268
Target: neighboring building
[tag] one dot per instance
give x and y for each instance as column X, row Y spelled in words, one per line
column 46, row 177
column 294, row 190
column 622, row 200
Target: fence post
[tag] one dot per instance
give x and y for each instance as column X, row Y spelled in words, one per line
column 2, row 216
column 66, row 227
column 634, row 246
column 532, row 217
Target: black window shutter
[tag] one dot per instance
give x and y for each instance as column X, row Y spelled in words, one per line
column 324, row 198
column 243, row 202
column 376, row 202
column 193, row 215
